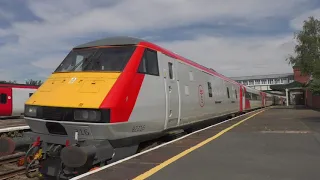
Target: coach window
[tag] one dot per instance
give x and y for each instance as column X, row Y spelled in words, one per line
column 209, row 89
column 248, row 95
column 235, row 91
column 149, row 63
column 170, row 70
column 228, row 92
column 3, row 98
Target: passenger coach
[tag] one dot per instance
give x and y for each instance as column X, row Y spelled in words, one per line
column 13, row 98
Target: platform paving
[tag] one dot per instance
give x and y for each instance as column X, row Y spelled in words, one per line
column 11, row 122
column 279, row 143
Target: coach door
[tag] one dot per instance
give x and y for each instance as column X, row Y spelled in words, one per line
column 172, row 91
column 5, row 101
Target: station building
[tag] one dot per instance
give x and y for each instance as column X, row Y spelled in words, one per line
column 263, row 82
column 292, row 85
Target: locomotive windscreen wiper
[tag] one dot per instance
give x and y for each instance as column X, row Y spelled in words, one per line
column 84, row 60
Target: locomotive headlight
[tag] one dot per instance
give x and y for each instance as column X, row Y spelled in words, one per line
column 30, row 111
column 87, row 115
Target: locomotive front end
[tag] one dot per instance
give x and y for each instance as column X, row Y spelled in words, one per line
column 70, row 115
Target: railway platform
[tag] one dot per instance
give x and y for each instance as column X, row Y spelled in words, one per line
column 267, row 144
column 7, row 124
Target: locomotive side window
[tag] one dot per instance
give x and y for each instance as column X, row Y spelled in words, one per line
column 228, row 92
column 170, row 70
column 30, row 94
column 149, row 63
column 191, row 76
column 3, row 98
column 209, row 89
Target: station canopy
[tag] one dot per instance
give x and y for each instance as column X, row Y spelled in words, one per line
column 283, row 87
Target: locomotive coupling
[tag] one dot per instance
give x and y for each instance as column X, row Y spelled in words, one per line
column 9, row 145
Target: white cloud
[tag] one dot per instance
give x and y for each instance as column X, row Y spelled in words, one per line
column 49, row 62
column 237, row 56
column 41, row 44
column 5, row 15
column 297, row 22
column 66, row 18
column 3, row 33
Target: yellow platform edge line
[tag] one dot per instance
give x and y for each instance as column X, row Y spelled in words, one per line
column 178, row 156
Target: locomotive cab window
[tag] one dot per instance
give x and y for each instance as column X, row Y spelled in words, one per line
column 149, row 63
column 112, row 59
column 209, row 89
column 3, row 98
column 170, row 70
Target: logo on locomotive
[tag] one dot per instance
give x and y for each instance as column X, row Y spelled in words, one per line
column 72, row 80
column 201, row 95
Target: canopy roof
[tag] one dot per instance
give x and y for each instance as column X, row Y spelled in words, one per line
column 282, row 87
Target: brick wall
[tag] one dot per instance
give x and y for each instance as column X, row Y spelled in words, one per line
column 298, row 77
column 312, row 100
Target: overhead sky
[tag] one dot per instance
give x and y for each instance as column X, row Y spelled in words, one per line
column 234, row 37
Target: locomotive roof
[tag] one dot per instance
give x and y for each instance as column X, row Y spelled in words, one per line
column 111, row 41
column 122, row 40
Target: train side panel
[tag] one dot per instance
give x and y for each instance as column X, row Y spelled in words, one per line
column 269, row 99
column 19, row 97
column 204, row 96
column 150, row 106
column 5, row 101
column 253, row 99
column 190, row 86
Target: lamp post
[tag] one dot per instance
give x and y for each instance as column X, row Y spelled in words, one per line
column 287, row 97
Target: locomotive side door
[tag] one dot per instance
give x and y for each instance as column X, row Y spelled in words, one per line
column 5, row 101
column 171, row 87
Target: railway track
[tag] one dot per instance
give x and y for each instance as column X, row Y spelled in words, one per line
column 12, row 127
column 9, row 169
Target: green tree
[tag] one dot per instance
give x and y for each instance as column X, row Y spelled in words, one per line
column 34, row 82
column 307, row 52
column 8, row 82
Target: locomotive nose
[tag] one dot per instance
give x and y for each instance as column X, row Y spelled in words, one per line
column 7, row 146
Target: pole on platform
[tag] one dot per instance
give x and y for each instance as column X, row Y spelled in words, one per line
column 287, row 97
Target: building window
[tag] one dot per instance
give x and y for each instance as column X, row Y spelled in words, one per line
column 209, row 89
column 149, row 63
column 3, row 98
column 271, row 81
